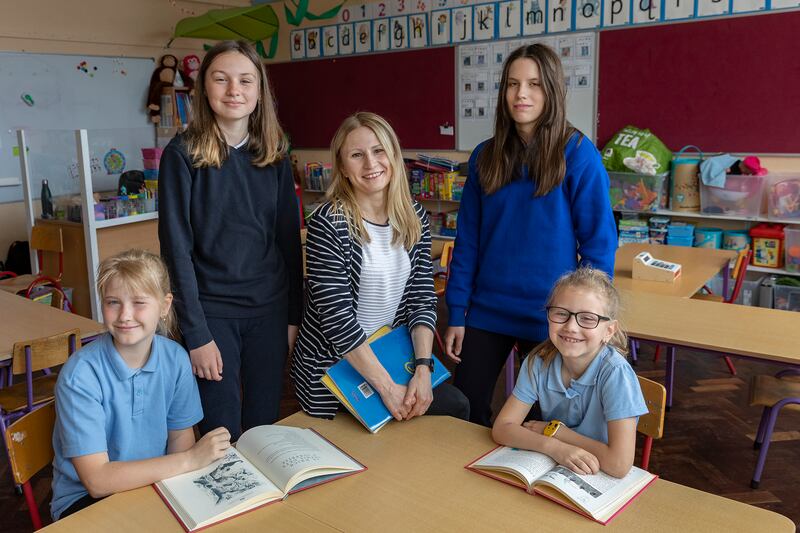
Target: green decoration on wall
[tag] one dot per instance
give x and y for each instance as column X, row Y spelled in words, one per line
column 253, row 24
column 301, row 12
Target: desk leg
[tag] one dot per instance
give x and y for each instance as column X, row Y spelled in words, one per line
column 670, row 378
column 634, row 351
column 726, row 276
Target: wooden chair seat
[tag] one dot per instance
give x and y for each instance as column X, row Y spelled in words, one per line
column 15, row 397
column 439, row 283
column 766, row 391
column 15, row 285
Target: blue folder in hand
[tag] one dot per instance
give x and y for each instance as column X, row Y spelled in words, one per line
column 395, row 352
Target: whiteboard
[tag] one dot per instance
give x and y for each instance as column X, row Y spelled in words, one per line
column 478, row 70
column 67, row 92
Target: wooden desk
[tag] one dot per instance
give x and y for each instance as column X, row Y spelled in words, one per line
column 724, row 329
column 698, row 265
column 25, row 319
column 416, row 481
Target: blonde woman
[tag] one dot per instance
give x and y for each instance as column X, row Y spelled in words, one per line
column 230, row 235
column 369, row 264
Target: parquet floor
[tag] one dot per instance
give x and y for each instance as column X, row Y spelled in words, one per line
column 707, row 442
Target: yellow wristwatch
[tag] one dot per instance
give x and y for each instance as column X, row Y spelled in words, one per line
column 551, row 428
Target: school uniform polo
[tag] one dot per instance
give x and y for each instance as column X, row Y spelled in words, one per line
column 102, row 405
column 607, row 390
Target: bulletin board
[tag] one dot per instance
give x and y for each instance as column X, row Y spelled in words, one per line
column 727, row 85
column 66, row 92
column 480, row 66
column 413, row 90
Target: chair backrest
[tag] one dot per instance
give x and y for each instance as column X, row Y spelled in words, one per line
column 739, row 272
column 447, row 253
column 30, row 442
column 655, row 396
column 45, row 352
column 46, row 238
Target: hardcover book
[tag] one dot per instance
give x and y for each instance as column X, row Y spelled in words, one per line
column 598, row 496
column 267, row 464
column 395, row 352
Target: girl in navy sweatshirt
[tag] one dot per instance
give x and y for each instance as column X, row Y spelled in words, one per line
column 230, row 234
column 535, row 205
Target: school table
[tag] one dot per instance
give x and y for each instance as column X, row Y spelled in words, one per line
column 416, row 481
column 698, row 265
column 25, row 319
column 716, row 327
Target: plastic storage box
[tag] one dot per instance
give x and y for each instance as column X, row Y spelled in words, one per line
column 638, row 192
column 791, row 246
column 787, row 297
column 783, row 196
column 741, row 195
column 748, row 294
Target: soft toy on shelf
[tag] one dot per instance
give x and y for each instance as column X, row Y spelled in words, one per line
column 163, row 77
column 191, row 66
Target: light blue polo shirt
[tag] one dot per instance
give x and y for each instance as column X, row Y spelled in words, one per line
column 607, row 390
column 102, row 405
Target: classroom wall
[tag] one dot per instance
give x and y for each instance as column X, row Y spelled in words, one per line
column 139, row 28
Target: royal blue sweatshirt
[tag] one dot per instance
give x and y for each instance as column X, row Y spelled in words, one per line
column 512, row 246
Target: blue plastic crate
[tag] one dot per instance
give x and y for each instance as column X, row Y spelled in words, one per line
column 680, row 241
column 680, row 230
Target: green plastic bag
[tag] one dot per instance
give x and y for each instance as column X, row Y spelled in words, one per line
column 635, row 150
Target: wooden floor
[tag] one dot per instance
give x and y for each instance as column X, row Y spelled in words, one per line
column 707, row 442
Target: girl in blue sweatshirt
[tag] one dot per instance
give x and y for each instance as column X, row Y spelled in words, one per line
column 535, row 205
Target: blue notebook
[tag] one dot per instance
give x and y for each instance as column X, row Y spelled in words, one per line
column 395, row 352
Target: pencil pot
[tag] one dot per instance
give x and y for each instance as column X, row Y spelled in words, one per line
column 735, row 240
column 708, row 238
column 685, row 183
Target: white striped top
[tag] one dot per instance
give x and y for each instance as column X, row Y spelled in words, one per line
column 330, row 325
column 384, row 272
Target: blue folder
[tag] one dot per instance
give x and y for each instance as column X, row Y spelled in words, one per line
column 395, row 352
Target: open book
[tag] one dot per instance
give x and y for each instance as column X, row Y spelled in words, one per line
column 268, row 464
column 598, row 496
column 395, row 351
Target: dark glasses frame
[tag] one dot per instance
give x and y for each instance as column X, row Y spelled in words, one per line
column 594, row 316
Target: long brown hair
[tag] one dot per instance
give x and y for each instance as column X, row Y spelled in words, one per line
column 141, row 272
column 405, row 223
column 600, row 284
column 502, row 158
column 204, row 139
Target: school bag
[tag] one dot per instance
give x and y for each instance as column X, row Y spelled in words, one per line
column 132, row 181
column 18, row 259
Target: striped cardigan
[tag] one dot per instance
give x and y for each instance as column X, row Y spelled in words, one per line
column 330, row 328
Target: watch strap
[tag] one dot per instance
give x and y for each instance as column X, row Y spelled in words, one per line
column 424, row 361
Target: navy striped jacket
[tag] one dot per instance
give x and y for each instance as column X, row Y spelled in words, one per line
column 330, row 327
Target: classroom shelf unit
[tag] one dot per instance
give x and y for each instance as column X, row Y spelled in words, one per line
column 73, row 163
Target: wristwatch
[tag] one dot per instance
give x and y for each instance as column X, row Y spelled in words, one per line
column 424, row 361
column 551, row 428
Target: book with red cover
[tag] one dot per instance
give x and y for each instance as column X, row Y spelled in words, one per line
column 267, row 464
column 599, row 497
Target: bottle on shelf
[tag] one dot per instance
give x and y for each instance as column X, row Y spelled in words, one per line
column 47, row 200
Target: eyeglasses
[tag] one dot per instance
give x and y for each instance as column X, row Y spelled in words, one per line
column 585, row 319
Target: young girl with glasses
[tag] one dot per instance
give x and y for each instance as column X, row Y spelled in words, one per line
column 588, row 394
